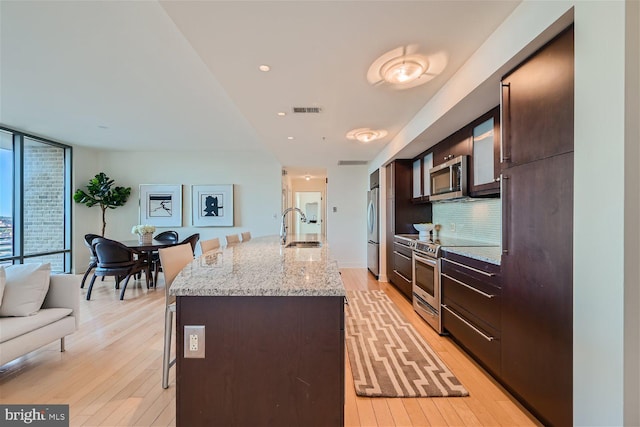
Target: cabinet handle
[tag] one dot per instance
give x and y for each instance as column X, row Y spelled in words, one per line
column 484, row 294
column 401, row 275
column 505, row 108
column 460, row 318
column 470, row 268
column 507, row 214
column 402, row 255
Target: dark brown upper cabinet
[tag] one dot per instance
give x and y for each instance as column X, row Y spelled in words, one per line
column 537, row 100
column 420, row 179
column 484, row 164
column 457, row 144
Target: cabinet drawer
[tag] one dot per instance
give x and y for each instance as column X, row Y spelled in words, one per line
column 403, row 249
column 483, row 344
column 479, row 274
column 402, row 283
column 482, row 305
column 402, row 264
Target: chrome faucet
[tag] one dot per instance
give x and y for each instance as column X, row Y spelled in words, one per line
column 283, row 226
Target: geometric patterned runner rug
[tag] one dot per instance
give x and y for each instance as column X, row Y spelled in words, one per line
column 388, row 357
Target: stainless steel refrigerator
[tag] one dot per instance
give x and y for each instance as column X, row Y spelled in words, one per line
column 373, row 241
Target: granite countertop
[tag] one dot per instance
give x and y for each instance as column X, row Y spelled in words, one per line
column 490, row 254
column 262, row 267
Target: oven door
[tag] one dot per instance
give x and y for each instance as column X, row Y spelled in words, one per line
column 426, row 279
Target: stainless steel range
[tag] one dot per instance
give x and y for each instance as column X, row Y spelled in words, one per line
column 426, row 276
column 426, row 282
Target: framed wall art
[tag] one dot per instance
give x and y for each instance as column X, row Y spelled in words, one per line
column 161, row 205
column 212, row 205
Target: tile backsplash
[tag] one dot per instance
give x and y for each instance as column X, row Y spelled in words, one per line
column 477, row 219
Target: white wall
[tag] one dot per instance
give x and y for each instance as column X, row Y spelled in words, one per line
column 347, row 228
column 256, row 179
column 85, row 163
column 632, row 215
column 257, row 196
column 606, row 297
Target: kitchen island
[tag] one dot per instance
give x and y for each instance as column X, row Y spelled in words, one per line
column 273, row 347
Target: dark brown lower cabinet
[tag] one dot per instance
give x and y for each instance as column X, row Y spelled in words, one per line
column 269, row 361
column 402, row 267
column 472, row 307
column 537, row 290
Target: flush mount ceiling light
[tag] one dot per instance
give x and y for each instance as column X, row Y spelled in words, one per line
column 264, row 68
column 281, row 113
column 366, row 135
column 307, row 177
column 404, row 67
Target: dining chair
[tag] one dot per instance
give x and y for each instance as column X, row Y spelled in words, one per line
column 118, row 260
column 93, row 258
column 246, row 235
column 174, row 259
column 169, row 236
column 233, row 238
column 192, row 240
column 209, row 245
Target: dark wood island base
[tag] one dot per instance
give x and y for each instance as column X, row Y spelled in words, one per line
column 269, row 361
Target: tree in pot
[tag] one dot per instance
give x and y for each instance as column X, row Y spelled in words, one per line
column 100, row 192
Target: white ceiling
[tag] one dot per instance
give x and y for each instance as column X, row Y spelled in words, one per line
column 182, row 74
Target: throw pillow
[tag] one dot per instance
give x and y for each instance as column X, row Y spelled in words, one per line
column 25, row 289
column 3, row 280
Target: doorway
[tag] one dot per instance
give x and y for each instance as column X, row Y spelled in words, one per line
column 305, row 189
column 310, row 202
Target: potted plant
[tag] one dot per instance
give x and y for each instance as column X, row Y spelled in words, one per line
column 100, row 191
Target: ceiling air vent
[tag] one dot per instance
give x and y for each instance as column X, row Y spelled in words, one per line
column 352, row 162
column 302, row 110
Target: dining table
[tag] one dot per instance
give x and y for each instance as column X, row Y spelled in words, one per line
column 148, row 249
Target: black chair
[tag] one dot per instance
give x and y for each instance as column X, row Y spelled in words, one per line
column 192, row 240
column 93, row 259
column 166, row 236
column 118, row 260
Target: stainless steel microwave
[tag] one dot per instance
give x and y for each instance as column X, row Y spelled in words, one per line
column 449, row 180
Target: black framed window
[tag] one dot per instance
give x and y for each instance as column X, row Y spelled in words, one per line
column 35, row 201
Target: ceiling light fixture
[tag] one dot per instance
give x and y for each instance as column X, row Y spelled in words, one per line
column 366, row 135
column 264, row 68
column 403, row 70
column 281, row 113
column 403, row 67
column 289, row 137
column 307, row 177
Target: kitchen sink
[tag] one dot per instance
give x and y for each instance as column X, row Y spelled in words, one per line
column 304, row 244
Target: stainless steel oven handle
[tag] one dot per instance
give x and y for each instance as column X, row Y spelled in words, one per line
column 402, row 255
column 484, row 294
column 431, row 262
column 429, row 310
column 470, row 268
column 460, row 318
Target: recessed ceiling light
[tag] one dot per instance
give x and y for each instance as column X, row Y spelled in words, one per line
column 282, row 113
column 264, row 68
column 366, row 135
column 307, row 177
column 289, row 137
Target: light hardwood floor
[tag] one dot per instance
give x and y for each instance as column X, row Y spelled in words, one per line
column 110, row 374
